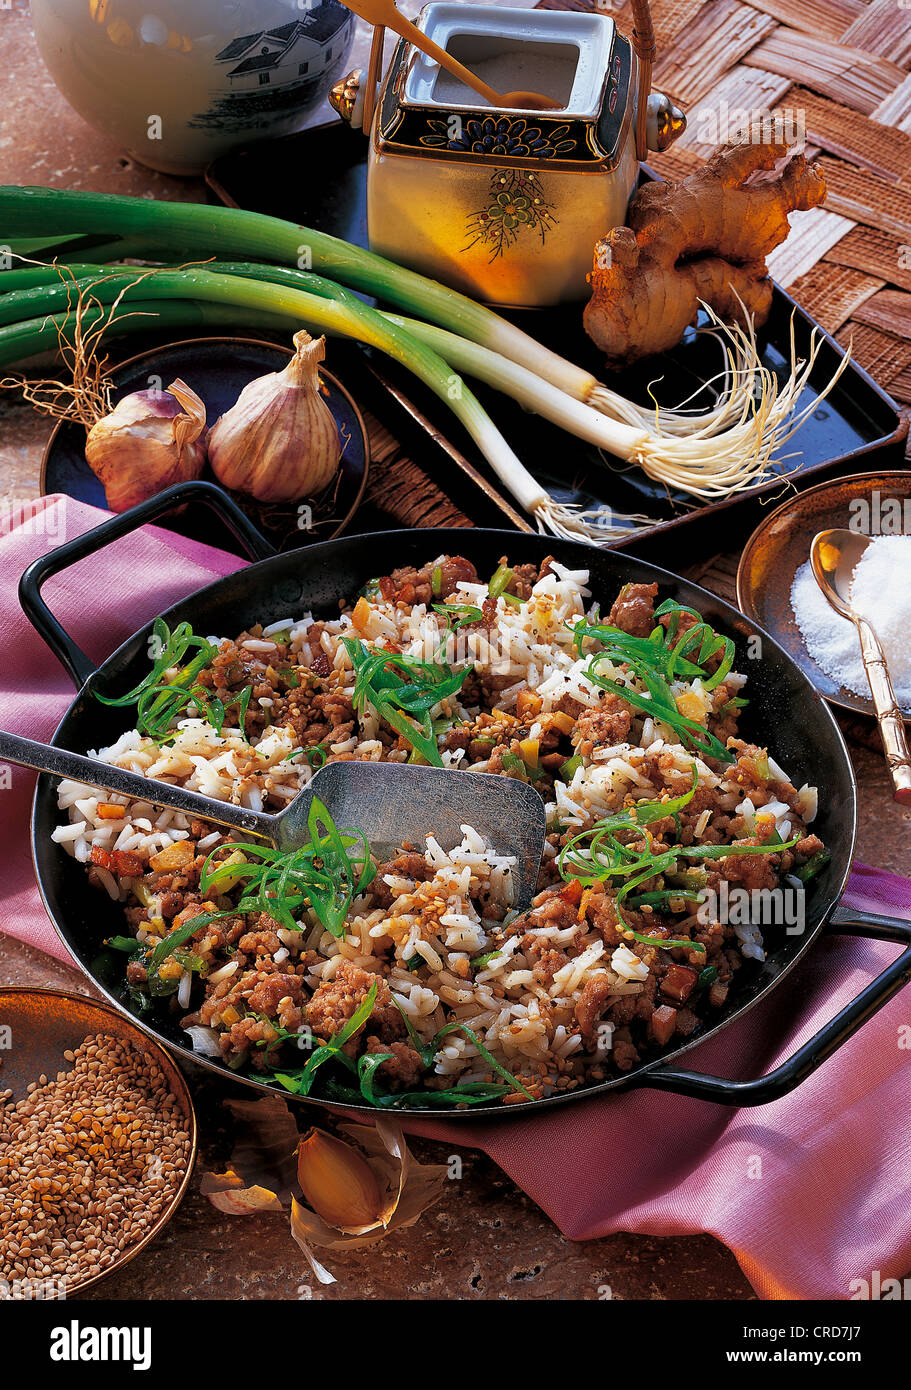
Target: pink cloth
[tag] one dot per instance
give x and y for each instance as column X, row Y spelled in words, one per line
column 810, row 1192
column 101, row 601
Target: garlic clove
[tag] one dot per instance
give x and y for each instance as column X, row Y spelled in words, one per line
column 149, row 441
column 279, row 442
column 338, row 1182
column 264, row 1164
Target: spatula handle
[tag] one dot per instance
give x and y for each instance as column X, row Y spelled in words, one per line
column 59, row 762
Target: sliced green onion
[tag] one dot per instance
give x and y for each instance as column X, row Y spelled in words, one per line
column 428, row 1050
column 813, row 866
column 180, row 935
column 597, row 855
column 124, row 943
column 328, row 872
column 663, row 899
column 403, row 690
column 707, row 977
column 459, row 615
column 499, row 581
column 513, row 763
column 481, row 962
column 299, row 1083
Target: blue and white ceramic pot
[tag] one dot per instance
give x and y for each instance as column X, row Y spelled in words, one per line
column 177, row 82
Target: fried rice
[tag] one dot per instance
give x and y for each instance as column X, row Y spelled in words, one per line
column 435, row 971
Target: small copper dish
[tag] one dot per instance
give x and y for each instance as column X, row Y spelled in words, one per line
column 43, row 1024
column 869, row 502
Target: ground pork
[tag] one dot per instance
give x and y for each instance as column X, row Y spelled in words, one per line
column 524, row 579
column 271, row 989
column 608, row 723
column 634, row 609
column 409, row 585
column 590, row 1006
column 404, row 1068
column 335, row 1001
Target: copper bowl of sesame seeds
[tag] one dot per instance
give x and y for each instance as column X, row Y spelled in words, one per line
column 97, row 1142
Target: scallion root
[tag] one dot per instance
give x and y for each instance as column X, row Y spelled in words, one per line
column 595, row 525
column 732, row 446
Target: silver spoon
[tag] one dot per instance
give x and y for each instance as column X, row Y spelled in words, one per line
column 834, row 556
column 392, row 804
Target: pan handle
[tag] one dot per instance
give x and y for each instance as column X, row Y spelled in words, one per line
column 843, row 921
column 73, row 659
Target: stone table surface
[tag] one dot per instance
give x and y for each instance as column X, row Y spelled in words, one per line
column 485, row 1239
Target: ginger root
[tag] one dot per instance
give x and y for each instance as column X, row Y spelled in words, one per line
column 704, row 238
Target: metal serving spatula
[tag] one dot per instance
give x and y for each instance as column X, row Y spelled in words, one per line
column 390, row 803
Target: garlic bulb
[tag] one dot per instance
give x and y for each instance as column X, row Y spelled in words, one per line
column 279, row 442
column 150, row 440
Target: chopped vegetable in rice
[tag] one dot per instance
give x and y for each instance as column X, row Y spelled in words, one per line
column 416, row 981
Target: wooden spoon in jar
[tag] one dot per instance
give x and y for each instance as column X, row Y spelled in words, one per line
column 834, row 556
column 383, row 14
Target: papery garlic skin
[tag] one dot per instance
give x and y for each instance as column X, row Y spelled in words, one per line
column 337, row 1181
column 279, row 442
column 150, row 440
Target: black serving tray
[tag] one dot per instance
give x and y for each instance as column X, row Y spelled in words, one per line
column 318, row 178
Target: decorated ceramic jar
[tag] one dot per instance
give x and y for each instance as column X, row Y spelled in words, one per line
column 178, row 82
column 506, row 205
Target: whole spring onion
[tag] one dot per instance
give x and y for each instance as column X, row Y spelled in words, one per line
column 193, row 229
column 347, row 316
column 669, row 446
column 707, row 453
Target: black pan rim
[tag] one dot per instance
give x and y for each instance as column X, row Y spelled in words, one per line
column 494, row 537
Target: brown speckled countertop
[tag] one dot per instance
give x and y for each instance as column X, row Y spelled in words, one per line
column 485, row 1239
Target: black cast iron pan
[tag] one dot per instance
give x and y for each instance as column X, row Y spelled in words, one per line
column 784, row 712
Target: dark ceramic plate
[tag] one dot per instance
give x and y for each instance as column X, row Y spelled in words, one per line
column 856, row 426
column 781, row 544
column 218, row 369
